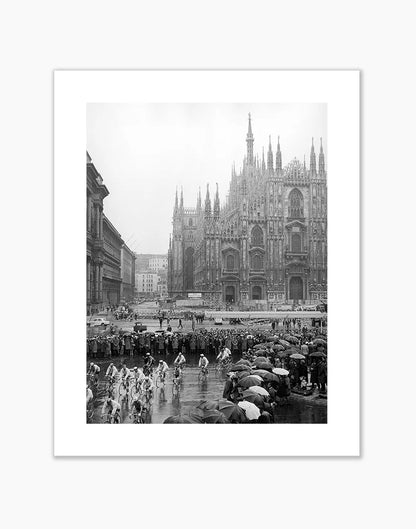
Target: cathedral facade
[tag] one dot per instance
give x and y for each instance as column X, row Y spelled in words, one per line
column 266, row 245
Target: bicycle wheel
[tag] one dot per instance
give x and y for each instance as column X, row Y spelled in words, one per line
column 122, row 390
column 134, row 391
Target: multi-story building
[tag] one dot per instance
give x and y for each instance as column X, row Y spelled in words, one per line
column 146, row 283
column 268, row 243
column 128, row 275
column 113, row 243
column 158, row 262
column 96, row 192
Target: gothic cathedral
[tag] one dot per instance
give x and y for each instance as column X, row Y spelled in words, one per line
column 266, row 245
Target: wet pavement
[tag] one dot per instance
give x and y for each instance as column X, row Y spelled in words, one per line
column 169, row 401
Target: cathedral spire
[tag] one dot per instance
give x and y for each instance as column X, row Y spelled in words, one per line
column 181, row 204
column 278, row 156
column 250, row 142
column 312, row 165
column 199, row 201
column 217, row 205
column 176, row 201
column 321, row 161
column 270, row 157
column 207, row 203
column 263, row 164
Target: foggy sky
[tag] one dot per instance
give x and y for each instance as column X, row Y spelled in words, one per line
column 144, row 151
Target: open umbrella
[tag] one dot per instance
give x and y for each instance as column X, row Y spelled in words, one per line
column 291, row 339
column 284, row 343
column 231, row 411
column 274, row 338
column 259, row 346
column 242, row 374
column 251, row 410
column 214, row 417
column 278, row 347
column 208, row 405
column 250, row 380
column 179, row 419
column 317, row 354
column 319, row 341
column 260, row 372
column 256, row 399
column 260, row 359
column 270, row 377
column 260, row 391
column 282, row 354
column 267, row 366
column 297, row 356
column 280, row 371
column 243, row 362
column 238, row 367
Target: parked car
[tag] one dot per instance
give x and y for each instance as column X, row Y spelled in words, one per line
column 96, row 322
column 218, row 321
column 139, row 327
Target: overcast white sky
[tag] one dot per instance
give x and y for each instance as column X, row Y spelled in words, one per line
column 144, row 151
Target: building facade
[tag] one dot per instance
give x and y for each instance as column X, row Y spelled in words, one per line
column 111, row 279
column 128, row 273
column 96, row 193
column 147, row 283
column 266, row 245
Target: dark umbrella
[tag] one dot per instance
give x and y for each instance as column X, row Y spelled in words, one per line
column 267, row 366
column 284, row 343
column 231, row 411
column 278, row 347
column 242, row 374
column 259, row 346
column 243, row 362
column 250, row 380
column 319, row 341
column 214, row 417
column 179, row 419
column 317, row 354
column 238, row 367
column 270, row 377
column 260, row 372
column 255, row 399
column 260, row 359
column 208, row 405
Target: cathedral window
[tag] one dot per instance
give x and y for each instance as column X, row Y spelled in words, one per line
column 296, row 243
column 295, row 204
column 230, row 262
column 257, row 262
column 257, row 236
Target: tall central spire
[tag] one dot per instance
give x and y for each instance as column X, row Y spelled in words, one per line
column 312, row 164
column 270, row 157
column 321, row 161
column 278, row 156
column 207, row 203
column 217, row 205
column 250, row 142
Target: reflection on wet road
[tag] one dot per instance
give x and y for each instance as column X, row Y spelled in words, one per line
column 168, row 401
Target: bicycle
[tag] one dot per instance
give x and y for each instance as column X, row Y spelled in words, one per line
column 90, row 411
column 177, row 380
column 203, row 374
column 92, row 380
column 222, row 365
column 110, row 387
column 148, row 371
column 137, row 418
column 123, row 388
column 136, row 389
column 160, row 379
column 109, row 418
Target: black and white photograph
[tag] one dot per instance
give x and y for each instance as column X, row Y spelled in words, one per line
column 206, row 263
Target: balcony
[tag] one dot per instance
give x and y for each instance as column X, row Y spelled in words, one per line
column 302, row 256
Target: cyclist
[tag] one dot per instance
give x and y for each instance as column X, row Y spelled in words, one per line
column 147, row 387
column 111, row 407
column 162, row 369
column 93, row 371
column 90, row 395
column 203, row 363
column 224, row 355
column 149, row 362
column 125, row 375
column 137, row 374
column 111, row 373
column 180, row 361
column 136, row 409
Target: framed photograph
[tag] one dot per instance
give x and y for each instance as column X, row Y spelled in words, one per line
column 207, row 263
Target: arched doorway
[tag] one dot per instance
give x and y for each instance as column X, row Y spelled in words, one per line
column 296, row 288
column 256, row 292
column 189, row 269
column 230, row 294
